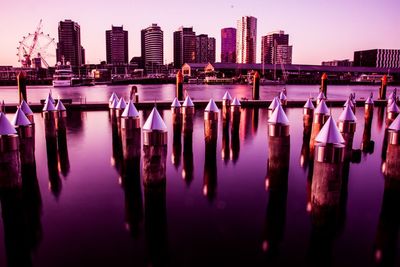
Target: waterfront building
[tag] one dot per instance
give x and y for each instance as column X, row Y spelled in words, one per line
column 228, row 45
column 379, row 58
column 117, row 46
column 69, row 43
column 152, row 48
column 184, row 46
column 205, row 49
column 338, row 63
column 275, row 48
column 246, row 40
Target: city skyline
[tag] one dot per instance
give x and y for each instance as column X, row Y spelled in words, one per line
column 333, row 31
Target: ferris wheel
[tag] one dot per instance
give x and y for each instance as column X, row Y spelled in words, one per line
column 37, row 46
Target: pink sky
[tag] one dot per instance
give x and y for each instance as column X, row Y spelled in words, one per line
column 319, row 30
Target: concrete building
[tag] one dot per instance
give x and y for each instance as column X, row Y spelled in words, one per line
column 205, row 49
column 69, row 43
column 211, row 49
column 228, row 45
column 275, row 48
column 246, row 40
column 117, row 46
column 338, row 63
column 184, row 46
column 152, row 48
column 379, row 58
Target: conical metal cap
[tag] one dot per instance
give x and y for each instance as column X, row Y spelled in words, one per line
column 348, row 103
column 329, row 133
column 6, row 127
column 212, row 107
column 395, row 125
column 321, row 95
column 175, row 103
column 130, row 110
column 227, row 96
column 49, row 106
column 112, row 97
column 121, row 103
column 393, row 108
column 322, row 108
column 25, row 108
column 279, row 116
column 235, row 102
column 114, row 104
column 154, row 122
column 20, row 118
column 369, row 100
column 60, row 106
column 188, row 102
column 347, row 114
column 275, row 102
column 282, row 96
column 49, row 99
column 309, row 104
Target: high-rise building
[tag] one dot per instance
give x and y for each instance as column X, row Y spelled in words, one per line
column 117, row 45
column 246, row 40
column 152, row 48
column 184, row 46
column 211, row 50
column 378, row 58
column 69, row 45
column 205, row 49
column 228, row 45
column 275, row 48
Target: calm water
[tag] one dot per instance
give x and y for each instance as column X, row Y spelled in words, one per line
column 87, row 212
column 101, row 93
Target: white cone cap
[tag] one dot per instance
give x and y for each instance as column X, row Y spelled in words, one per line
column 114, row 104
column 274, row 103
column 347, row 114
column 130, row 110
column 279, row 116
column 329, row 133
column 112, row 97
column 227, row 96
column 309, row 104
column 25, row 108
column 348, row 103
column 20, row 119
column 121, row 103
column 395, row 125
column 175, row 103
column 188, row 102
column 393, row 107
column 154, row 122
column 321, row 95
column 49, row 98
column 282, row 96
column 6, row 127
column 369, row 100
column 49, row 106
column 235, row 102
column 60, row 106
column 322, row 108
column 212, row 107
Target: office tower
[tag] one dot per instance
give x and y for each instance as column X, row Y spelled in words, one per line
column 275, row 48
column 184, row 46
column 69, row 45
column 246, row 40
column 202, row 48
column 228, row 45
column 152, row 48
column 379, row 58
column 211, row 50
column 117, row 45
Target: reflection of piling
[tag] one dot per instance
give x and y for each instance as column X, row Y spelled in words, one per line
column 225, row 153
column 308, row 114
column 276, row 180
column 210, row 169
column 188, row 166
column 347, row 127
column 61, row 121
column 274, row 103
column 382, row 89
column 10, row 166
column 21, row 80
column 177, row 129
column 324, row 84
column 155, row 139
column 321, row 114
column 130, row 132
column 256, row 86
column 211, row 121
column 179, row 86
column 226, row 104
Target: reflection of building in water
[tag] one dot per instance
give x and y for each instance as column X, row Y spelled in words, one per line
column 276, row 181
column 326, row 192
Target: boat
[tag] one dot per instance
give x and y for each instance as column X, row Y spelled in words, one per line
column 63, row 75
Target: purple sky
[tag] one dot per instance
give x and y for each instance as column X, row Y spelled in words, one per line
column 319, row 30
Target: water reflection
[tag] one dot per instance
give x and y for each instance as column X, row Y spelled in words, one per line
column 210, row 170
